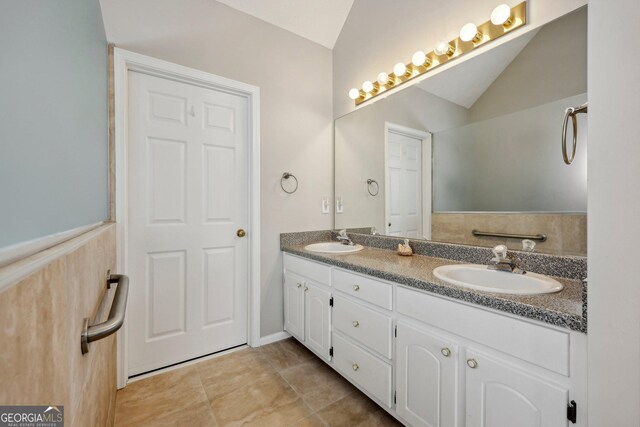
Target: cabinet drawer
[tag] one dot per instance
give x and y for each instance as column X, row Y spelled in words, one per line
column 540, row 345
column 362, row 287
column 311, row 270
column 367, row 326
column 369, row 372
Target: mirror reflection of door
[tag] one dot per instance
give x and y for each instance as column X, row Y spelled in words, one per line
column 407, row 182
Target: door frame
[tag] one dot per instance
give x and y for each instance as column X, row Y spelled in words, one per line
column 426, row 158
column 125, row 61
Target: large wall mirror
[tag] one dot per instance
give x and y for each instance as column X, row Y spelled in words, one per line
column 476, row 147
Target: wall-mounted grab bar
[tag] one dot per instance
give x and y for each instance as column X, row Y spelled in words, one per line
column 571, row 112
column 538, row 237
column 92, row 333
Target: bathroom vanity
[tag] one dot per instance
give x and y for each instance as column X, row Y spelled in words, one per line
column 436, row 354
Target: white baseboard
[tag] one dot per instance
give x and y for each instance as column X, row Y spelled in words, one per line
column 274, row 337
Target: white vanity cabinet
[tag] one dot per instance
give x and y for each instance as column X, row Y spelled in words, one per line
column 307, row 304
column 498, row 394
column 294, row 305
column 433, row 361
column 426, row 377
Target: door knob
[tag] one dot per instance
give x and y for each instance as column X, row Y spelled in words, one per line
column 356, row 323
column 241, row 233
column 356, row 287
column 355, row 366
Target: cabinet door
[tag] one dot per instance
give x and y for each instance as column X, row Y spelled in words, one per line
column 317, row 313
column 500, row 395
column 294, row 305
column 426, row 378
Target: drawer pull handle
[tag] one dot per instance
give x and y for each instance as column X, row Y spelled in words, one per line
column 472, row 363
column 355, row 366
column 356, row 288
column 356, row 323
column 445, row 352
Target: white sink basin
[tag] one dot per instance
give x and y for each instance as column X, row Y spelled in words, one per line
column 333, row 248
column 481, row 278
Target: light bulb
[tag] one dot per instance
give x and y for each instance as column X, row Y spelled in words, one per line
column 354, row 93
column 399, row 69
column 470, row 32
column 501, row 15
column 367, row 86
column 418, row 58
column 383, row 78
column 444, row 48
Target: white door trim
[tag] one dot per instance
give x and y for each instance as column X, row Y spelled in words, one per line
column 425, row 137
column 125, row 61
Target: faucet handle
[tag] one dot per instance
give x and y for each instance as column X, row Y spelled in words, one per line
column 499, row 252
column 342, row 233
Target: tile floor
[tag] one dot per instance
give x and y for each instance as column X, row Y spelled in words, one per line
column 281, row 384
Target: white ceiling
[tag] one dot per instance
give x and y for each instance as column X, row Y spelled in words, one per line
column 317, row 20
column 464, row 83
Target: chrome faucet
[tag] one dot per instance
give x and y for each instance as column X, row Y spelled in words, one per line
column 342, row 237
column 502, row 262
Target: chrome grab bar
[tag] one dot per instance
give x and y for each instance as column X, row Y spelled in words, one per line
column 91, row 333
column 539, row 237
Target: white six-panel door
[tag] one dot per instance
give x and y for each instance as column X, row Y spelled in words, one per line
column 403, row 190
column 188, row 196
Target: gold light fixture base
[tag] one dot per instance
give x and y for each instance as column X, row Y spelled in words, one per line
column 488, row 32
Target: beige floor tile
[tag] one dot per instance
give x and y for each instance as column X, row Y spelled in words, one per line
column 244, row 388
column 317, row 383
column 356, row 410
column 310, row 421
column 269, row 401
column 161, row 397
column 286, row 353
column 232, row 371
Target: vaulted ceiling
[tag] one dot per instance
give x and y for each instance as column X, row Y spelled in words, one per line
column 317, row 20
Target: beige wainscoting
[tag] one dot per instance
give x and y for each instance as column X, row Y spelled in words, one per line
column 566, row 233
column 41, row 319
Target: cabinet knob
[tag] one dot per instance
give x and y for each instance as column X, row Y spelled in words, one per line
column 356, row 323
column 299, row 285
column 445, row 352
column 473, row 364
column 241, row 233
column 306, row 288
column 355, row 366
column 356, row 288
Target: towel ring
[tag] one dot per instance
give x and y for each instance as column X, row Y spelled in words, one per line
column 571, row 112
column 369, row 183
column 288, row 175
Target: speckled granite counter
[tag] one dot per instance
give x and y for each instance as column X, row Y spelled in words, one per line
column 566, row 308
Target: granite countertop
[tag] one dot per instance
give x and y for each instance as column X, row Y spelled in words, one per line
column 565, row 308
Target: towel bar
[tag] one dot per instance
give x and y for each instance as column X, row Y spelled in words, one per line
column 92, row 333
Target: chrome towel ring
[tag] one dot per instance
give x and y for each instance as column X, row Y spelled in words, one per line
column 370, row 183
column 571, row 112
column 288, row 175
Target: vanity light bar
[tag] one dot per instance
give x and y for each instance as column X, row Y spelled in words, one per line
column 471, row 37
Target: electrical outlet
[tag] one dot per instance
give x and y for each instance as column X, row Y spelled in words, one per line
column 339, row 205
column 326, row 206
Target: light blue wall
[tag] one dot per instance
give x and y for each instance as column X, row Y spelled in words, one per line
column 53, row 117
